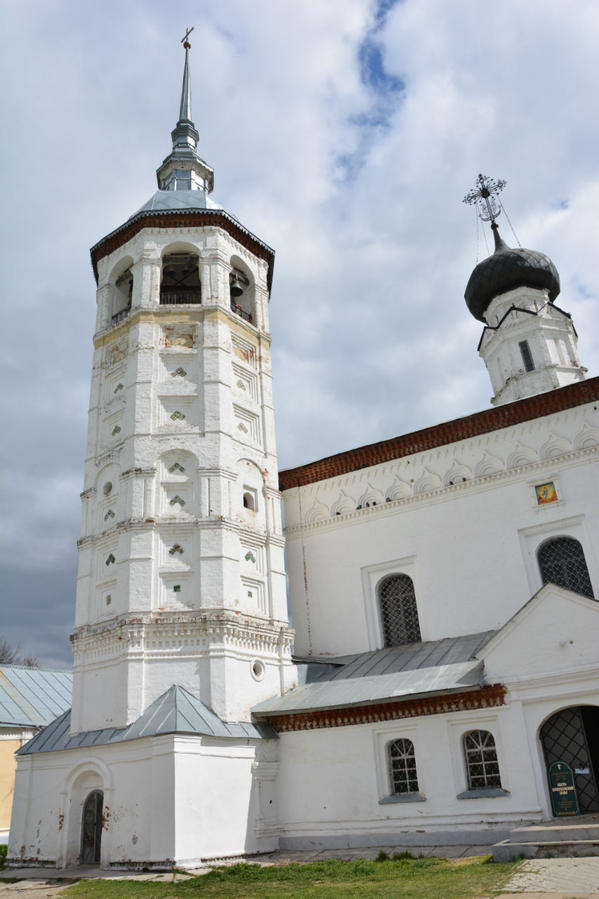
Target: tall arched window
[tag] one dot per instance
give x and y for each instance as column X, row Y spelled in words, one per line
column 399, row 615
column 562, row 562
column 480, row 755
column 402, row 766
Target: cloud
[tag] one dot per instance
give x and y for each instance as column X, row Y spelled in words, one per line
column 344, row 134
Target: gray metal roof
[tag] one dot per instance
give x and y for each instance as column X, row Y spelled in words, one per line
column 32, row 697
column 175, row 712
column 179, row 199
column 439, row 666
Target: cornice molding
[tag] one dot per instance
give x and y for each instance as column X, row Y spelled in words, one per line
column 485, row 697
column 172, row 635
column 443, row 492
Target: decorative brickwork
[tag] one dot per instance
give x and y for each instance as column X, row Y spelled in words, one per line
column 448, row 432
column 487, row 697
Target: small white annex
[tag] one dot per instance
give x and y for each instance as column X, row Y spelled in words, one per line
column 441, row 584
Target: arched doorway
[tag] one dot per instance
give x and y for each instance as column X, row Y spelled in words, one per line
column 91, row 828
column 572, row 736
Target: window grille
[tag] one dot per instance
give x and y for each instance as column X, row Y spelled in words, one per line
column 562, row 562
column 482, row 766
column 399, row 614
column 402, row 767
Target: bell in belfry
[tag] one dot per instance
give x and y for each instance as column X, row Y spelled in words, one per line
column 236, row 286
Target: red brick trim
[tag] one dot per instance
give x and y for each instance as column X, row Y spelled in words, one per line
column 197, row 218
column 487, row 697
column 439, row 435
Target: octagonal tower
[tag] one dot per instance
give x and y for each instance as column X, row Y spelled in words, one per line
column 181, row 574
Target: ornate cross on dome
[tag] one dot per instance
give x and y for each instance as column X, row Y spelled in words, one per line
column 483, row 196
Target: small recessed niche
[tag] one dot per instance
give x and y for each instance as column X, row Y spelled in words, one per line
column 176, row 588
column 257, row 669
column 107, row 488
column 250, row 499
column 108, row 600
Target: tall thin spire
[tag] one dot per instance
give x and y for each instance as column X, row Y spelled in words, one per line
column 185, row 107
column 183, row 169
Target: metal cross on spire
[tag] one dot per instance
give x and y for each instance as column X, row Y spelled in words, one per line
column 484, row 196
column 185, row 38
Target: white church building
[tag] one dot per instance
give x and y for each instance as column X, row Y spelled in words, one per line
column 430, row 674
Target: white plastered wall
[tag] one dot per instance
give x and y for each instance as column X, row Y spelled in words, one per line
column 167, row 800
column 469, row 546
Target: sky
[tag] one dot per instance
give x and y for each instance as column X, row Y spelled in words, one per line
column 343, row 133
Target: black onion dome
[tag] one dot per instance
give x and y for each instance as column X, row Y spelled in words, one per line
column 506, row 269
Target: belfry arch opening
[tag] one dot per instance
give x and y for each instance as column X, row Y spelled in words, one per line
column 122, row 292
column 241, row 290
column 180, row 282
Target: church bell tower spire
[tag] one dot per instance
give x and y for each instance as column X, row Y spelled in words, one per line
column 183, row 169
column 181, row 571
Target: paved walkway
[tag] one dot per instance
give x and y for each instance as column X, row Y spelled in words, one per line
column 564, row 877
column 553, row 878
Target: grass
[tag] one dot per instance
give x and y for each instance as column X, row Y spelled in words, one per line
column 401, row 876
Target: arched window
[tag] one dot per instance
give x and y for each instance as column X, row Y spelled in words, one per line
column 480, row 755
column 249, row 500
column 402, row 767
column 399, row 615
column 562, row 562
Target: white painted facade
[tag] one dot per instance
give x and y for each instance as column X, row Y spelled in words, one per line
column 160, row 804
column 462, row 520
column 334, row 785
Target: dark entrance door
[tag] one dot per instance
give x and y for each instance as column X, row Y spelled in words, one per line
column 91, row 829
column 572, row 736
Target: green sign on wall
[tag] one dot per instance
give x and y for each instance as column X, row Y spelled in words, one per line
column 564, row 800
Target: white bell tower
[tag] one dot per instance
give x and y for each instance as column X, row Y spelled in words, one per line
column 528, row 343
column 181, row 575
